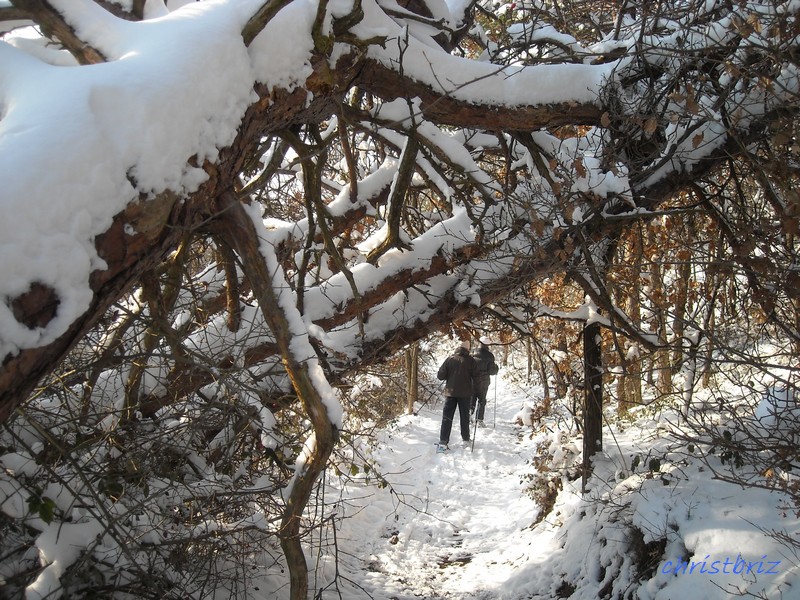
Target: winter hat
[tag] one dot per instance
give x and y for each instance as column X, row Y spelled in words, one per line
column 485, row 340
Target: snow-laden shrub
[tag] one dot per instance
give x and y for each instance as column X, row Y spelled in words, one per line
column 556, row 457
column 660, row 514
column 159, row 507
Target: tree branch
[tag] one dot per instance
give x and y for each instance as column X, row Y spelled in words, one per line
column 53, row 24
column 238, row 230
column 396, row 201
column 259, row 20
column 446, row 110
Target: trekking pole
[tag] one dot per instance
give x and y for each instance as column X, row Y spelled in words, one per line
column 475, row 427
column 494, row 412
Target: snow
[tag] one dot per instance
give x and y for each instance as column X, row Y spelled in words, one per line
column 283, row 60
column 78, row 144
column 59, row 546
column 466, row 524
column 175, row 87
column 301, row 347
column 506, row 520
column 468, row 80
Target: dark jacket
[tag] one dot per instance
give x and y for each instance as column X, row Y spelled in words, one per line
column 484, row 367
column 458, row 371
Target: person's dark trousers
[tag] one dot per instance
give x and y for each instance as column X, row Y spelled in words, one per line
column 480, row 397
column 450, row 404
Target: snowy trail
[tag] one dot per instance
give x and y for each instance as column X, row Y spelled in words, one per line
column 452, row 525
column 457, row 526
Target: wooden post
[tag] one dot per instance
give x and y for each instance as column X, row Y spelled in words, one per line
column 593, row 398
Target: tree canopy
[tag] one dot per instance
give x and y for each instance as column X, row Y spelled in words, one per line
column 264, row 197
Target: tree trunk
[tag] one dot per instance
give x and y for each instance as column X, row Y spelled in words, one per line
column 542, row 367
column 633, row 381
column 239, row 232
column 622, row 391
column 682, row 302
column 711, row 291
column 662, row 367
column 690, row 376
column 593, row 398
column 630, row 384
column 562, row 383
column 529, row 355
column 412, row 377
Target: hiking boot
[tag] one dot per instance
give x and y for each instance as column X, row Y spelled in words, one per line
column 480, row 424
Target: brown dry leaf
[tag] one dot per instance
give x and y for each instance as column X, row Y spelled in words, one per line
column 579, row 168
column 754, row 22
column 781, row 138
column 677, row 97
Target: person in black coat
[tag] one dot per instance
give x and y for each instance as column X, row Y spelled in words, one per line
column 458, row 372
column 485, row 367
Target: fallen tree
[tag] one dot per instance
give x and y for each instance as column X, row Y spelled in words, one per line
column 285, row 192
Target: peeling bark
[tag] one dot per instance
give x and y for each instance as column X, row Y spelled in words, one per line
column 36, row 307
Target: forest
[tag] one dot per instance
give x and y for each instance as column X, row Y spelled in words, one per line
column 231, row 230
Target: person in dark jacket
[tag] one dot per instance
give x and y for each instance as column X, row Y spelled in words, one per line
column 485, row 367
column 458, row 373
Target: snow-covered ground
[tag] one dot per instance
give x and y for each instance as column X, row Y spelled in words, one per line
column 461, row 525
column 450, row 525
column 507, row 520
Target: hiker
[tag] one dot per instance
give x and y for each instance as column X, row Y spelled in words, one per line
column 458, row 373
column 485, row 366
